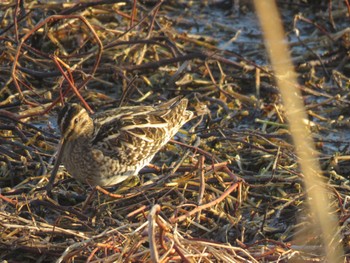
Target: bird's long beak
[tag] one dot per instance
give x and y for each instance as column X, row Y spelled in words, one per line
column 60, row 151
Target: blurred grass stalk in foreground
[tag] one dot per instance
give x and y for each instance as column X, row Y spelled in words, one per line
column 287, row 82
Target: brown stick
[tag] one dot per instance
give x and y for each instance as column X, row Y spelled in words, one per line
column 205, row 206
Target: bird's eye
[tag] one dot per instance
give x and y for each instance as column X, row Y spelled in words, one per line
column 76, row 120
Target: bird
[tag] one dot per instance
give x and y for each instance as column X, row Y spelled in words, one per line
column 108, row 147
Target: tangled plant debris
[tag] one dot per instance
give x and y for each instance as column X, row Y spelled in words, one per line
column 227, row 187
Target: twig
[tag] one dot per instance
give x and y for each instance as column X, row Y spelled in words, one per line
column 152, row 232
column 205, row 206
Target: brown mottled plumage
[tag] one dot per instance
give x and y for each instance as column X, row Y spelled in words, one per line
column 116, row 143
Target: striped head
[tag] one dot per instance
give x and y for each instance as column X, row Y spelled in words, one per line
column 74, row 122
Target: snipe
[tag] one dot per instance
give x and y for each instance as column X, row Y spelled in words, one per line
column 106, row 149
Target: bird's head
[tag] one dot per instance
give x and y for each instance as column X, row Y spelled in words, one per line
column 74, row 122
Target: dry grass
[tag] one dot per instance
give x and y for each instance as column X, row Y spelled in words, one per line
column 228, row 188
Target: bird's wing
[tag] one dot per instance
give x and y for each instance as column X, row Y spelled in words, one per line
column 134, row 133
